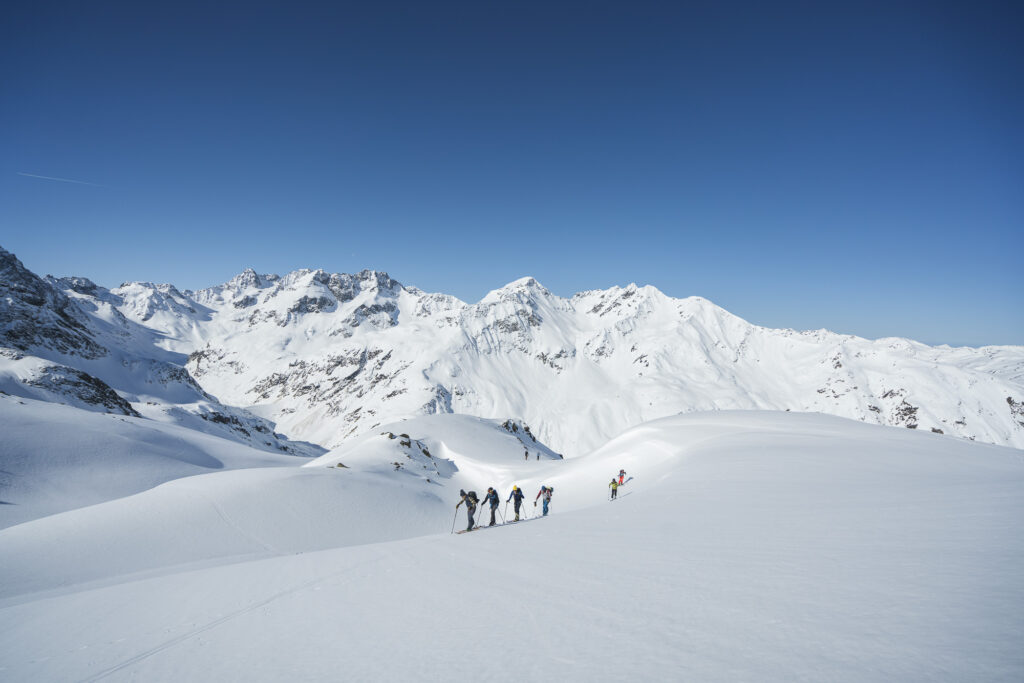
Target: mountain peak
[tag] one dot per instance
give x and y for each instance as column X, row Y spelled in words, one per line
column 36, row 315
column 247, row 279
column 523, row 288
column 379, row 277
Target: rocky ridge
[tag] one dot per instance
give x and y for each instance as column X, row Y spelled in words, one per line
column 70, row 341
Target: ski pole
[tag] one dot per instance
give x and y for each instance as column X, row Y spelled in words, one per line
column 455, row 518
column 503, row 514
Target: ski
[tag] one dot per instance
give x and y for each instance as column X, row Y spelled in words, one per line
column 488, row 526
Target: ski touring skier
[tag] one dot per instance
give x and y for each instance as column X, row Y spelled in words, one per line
column 615, row 488
column 492, row 498
column 622, row 475
column 470, row 500
column 545, row 494
column 516, row 496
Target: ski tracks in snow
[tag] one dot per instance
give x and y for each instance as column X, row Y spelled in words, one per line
column 192, row 633
column 232, row 524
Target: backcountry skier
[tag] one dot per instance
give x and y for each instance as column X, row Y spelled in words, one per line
column 545, row 495
column 622, row 475
column 492, row 498
column 615, row 489
column 517, row 496
column 470, row 500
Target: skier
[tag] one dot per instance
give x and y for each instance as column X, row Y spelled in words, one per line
column 470, row 500
column 492, row 498
column 622, row 475
column 546, row 492
column 526, row 455
column 517, row 494
column 615, row 488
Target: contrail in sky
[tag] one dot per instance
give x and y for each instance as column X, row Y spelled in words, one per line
column 62, row 180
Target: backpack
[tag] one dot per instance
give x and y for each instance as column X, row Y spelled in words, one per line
column 471, row 498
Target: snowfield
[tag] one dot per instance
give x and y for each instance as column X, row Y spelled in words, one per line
column 56, row 457
column 765, row 546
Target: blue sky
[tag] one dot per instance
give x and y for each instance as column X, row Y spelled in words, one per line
column 859, row 168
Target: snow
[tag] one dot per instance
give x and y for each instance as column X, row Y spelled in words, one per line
column 579, row 370
column 55, row 458
column 764, row 546
column 152, row 527
column 327, row 357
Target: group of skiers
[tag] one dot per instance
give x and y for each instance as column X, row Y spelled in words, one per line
column 516, row 497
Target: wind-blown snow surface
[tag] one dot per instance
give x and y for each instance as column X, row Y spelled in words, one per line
column 747, row 546
column 55, row 458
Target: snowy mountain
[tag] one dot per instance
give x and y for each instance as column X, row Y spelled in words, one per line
column 155, row 525
column 331, row 356
column 68, row 341
column 327, row 357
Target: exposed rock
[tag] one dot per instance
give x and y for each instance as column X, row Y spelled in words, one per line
column 35, row 315
column 80, row 386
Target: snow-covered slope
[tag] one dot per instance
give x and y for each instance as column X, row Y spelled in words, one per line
column 388, row 486
column 55, row 458
column 747, row 546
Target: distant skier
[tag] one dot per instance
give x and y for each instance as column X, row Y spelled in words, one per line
column 526, row 455
column 545, row 495
column 492, row 498
column 622, row 475
column 470, row 500
column 615, row 488
column 516, row 496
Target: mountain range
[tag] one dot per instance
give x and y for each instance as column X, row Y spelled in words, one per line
column 307, row 361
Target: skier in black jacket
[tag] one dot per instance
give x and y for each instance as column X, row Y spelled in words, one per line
column 470, row 500
column 492, row 498
column 517, row 495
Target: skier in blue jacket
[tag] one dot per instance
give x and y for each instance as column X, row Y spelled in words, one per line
column 492, row 498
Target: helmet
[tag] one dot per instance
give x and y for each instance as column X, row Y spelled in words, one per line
column 515, row 488
column 462, row 492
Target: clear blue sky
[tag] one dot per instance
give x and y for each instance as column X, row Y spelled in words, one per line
column 855, row 166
